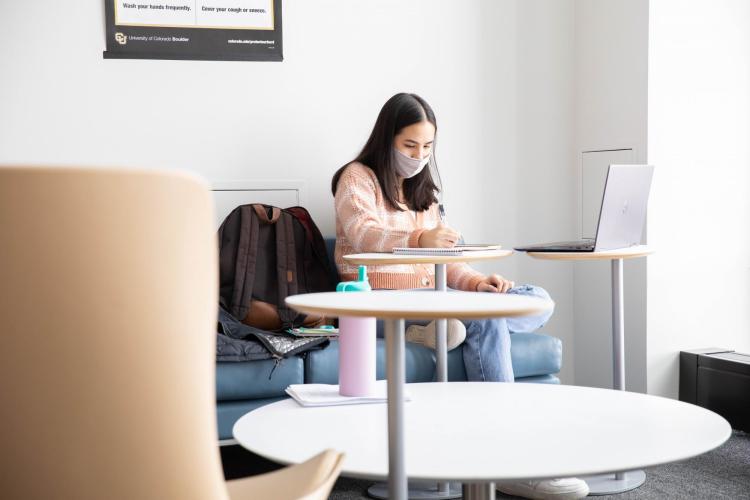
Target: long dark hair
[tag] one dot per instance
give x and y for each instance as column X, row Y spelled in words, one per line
column 398, row 112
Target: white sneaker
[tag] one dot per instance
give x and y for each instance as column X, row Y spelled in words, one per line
column 546, row 489
column 425, row 335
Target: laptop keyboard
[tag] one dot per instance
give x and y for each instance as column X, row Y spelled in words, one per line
column 569, row 246
column 578, row 245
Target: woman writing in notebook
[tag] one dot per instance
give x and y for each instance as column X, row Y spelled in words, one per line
column 386, row 198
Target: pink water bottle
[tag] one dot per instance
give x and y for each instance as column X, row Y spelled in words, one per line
column 356, row 345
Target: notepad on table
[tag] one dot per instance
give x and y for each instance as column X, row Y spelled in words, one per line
column 314, row 332
column 328, row 395
column 456, row 250
column 470, row 247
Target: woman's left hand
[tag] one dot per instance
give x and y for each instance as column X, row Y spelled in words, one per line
column 495, row 283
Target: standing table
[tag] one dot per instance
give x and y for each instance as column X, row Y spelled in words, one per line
column 621, row 481
column 441, row 276
column 444, row 490
column 394, row 307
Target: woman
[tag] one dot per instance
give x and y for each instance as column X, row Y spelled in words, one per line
column 386, row 198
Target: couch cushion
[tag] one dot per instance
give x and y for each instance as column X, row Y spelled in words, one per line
column 228, row 412
column 322, row 366
column 541, row 379
column 257, row 379
column 535, row 354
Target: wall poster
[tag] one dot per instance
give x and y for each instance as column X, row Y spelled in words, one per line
column 224, row 30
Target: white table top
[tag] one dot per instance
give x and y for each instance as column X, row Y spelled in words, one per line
column 619, row 253
column 492, row 431
column 399, row 304
column 374, row 259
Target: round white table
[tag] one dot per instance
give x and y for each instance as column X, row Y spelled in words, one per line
column 394, row 307
column 491, row 432
column 622, row 481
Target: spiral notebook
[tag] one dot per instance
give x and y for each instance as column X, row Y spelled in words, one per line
column 457, row 250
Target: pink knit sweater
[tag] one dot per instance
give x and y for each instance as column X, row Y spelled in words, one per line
column 366, row 223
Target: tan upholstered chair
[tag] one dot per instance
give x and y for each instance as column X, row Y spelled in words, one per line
column 108, row 288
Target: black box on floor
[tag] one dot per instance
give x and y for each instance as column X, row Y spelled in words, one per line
column 719, row 380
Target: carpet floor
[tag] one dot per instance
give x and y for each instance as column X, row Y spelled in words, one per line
column 721, row 474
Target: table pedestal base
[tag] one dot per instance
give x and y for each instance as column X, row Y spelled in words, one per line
column 479, row 491
column 418, row 491
column 608, row 484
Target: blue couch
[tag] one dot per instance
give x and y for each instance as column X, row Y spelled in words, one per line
column 244, row 386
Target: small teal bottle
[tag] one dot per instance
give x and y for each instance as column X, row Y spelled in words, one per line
column 357, row 345
column 361, row 285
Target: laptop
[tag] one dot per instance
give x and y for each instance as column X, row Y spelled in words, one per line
column 622, row 214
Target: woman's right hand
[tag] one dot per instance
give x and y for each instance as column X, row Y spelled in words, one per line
column 439, row 237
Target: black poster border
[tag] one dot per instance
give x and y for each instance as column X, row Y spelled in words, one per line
column 205, row 44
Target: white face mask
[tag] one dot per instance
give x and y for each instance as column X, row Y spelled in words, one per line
column 406, row 166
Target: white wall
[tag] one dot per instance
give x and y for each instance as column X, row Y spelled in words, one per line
column 699, row 140
column 62, row 103
column 611, row 38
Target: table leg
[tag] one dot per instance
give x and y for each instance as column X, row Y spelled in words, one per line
column 418, row 490
column 607, row 484
column 479, row 491
column 395, row 369
column 441, row 329
column 618, row 326
column 423, row 491
column 441, row 362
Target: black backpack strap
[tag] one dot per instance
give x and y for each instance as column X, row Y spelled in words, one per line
column 286, row 268
column 227, row 257
column 247, row 256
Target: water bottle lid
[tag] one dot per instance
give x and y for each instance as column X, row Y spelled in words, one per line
column 362, row 273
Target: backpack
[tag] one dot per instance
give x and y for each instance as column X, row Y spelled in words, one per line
column 266, row 254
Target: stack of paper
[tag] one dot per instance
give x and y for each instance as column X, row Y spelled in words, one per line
column 328, row 395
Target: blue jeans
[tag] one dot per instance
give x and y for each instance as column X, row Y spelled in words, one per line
column 486, row 350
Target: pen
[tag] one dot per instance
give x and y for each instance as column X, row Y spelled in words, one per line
column 441, row 212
